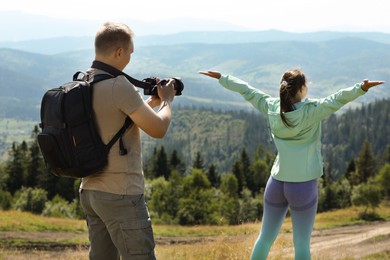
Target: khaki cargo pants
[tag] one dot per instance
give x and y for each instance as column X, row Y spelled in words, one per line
column 118, row 225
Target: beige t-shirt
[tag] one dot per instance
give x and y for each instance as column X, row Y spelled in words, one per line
column 113, row 100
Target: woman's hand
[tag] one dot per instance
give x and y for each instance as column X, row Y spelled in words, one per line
column 366, row 85
column 212, row 74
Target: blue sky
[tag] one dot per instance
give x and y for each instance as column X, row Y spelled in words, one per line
column 287, row 15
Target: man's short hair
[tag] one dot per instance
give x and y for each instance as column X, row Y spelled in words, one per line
column 112, row 36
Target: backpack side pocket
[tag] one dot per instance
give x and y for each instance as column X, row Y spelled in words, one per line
column 51, row 151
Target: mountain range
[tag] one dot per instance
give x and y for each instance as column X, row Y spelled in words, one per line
column 64, row 44
column 49, row 35
column 330, row 60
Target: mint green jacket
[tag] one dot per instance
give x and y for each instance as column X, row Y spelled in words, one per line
column 299, row 156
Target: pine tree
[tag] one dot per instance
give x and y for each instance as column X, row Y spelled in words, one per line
column 16, row 167
column 161, row 167
column 36, row 165
column 386, row 156
column 48, row 181
column 198, row 163
column 246, row 171
column 239, row 175
column 351, row 168
column 149, row 166
column 245, row 164
column 365, row 163
column 260, row 173
column 176, row 163
column 213, row 176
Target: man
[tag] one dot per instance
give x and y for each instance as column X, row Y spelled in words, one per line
column 118, row 219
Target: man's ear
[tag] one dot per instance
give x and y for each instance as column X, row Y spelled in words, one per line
column 119, row 52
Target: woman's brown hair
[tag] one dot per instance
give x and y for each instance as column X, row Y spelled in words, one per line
column 290, row 83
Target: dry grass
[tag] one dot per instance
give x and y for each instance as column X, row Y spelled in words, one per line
column 178, row 242
column 75, row 254
column 24, row 221
column 239, row 247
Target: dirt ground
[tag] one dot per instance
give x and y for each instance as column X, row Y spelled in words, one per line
column 338, row 243
column 356, row 241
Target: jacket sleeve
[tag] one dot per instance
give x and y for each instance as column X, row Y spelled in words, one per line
column 326, row 106
column 253, row 95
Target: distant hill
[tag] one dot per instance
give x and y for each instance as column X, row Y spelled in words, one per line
column 63, row 44
column 329, row 65
column 23, row 78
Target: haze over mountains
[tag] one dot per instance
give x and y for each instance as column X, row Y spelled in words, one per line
column 331, row 60
column 48, row 35
column 19, row 26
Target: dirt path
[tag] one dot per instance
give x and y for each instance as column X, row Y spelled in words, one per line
column 355, row 241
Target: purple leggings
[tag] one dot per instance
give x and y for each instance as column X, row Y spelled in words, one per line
column 302, row 199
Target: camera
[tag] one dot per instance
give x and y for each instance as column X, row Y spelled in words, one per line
column 152, row 90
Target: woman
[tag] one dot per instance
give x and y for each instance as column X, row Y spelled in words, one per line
column 296, row 129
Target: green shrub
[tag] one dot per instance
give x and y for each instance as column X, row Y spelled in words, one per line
column 5, row 200
column 58, row 207
column 251, row 209
column 77, row 210
column 383, row 180
column 30, row 199
column 368, row 195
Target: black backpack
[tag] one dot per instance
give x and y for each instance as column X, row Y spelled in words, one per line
column 69, row 141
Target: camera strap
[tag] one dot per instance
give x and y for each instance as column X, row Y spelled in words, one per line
column 115, row 72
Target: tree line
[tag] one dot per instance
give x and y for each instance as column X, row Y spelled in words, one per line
column 193, row 194
column 212, row 168
column 220, row 135
column 343, row 135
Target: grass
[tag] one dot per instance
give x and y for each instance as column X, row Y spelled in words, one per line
column 41, row 244
column 13, row 130
column 68, row 237
column 203, row 231
column 347, row 217
column 326, row 220
column 16, row 130
column 379, row 256
column 24, row 221
column 379, row 238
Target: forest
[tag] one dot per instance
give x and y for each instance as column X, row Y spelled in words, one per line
column 213, row 165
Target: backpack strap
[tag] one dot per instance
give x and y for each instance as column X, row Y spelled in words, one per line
column 128, row 122
column 114, row 71
column 100, row 77
column 89, row 78
column 118, row 135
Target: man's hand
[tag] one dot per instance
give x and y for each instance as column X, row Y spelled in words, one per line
column 167, row 92
column 153, row 101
